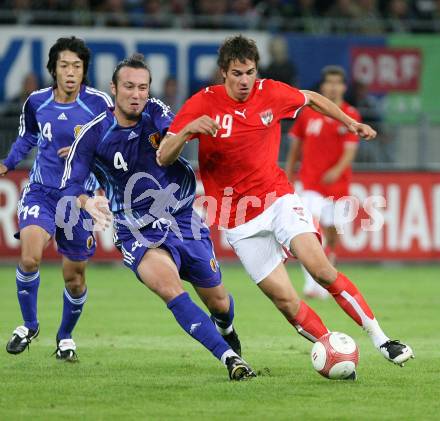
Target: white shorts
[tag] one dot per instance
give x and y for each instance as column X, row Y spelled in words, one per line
column 259, row 242
column 329, row 213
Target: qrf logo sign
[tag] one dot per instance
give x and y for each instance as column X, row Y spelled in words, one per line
column 184, row 55
column 385, row 69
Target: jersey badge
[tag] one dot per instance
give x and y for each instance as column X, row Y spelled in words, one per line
column 154, row 139
column 77, row 129
column 266, row 117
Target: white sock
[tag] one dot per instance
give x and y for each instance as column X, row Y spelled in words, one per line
column 376, row 334
column 226, row 354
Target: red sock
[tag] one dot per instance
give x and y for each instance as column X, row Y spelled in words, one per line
column 350, row 299
column 308, row 323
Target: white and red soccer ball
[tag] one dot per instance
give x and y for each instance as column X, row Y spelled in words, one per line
column 335, row 356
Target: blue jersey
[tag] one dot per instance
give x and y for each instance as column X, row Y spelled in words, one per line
column 123, row 160
column 50, row 125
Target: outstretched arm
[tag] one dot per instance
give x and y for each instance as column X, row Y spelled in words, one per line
column 325, row 106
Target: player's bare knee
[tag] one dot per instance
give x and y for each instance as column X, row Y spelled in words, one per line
column 75, row 282
column 218, row 305
column 165, row 290
column 325, row 275
column 288, row 305
column 30, row 263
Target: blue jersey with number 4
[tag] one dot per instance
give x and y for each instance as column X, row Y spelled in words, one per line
column 123, row 160
column 50, row 126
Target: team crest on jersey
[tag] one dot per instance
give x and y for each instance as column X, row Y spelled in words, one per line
column 266, row 117
column 77, row 129
column 213, row 264
column 90, row 242
column 154, row 139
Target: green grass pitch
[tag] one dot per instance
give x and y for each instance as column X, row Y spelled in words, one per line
column 136, row 363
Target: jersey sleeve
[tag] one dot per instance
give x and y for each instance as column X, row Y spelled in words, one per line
column 161, row 115
column 79, row 161
column 348, row 136
column 27, row 136
column 191, row 109
column 289, row 100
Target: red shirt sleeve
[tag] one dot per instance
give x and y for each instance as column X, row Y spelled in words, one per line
column 191, row 109
column 353, row 113
column 289, row 100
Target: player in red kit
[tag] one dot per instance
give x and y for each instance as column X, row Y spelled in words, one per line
column 326, row 149
column 237, row 124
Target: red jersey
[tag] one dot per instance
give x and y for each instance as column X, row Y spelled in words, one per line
column 323, row 140
column 239, row 165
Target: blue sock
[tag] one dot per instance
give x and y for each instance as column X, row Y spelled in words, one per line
column 72, row 309
column 224, row 320
column 197, row 324
column 27, row 292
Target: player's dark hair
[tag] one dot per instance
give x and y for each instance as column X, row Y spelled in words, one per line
column 135, row 61
column 237, row 48
column 77, row 46
column 333, row 70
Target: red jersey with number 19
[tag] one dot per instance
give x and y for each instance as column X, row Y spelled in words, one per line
column 239, row 165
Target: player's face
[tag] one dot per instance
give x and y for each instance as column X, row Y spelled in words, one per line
column 333, row 87
column 69, row 72
column 240, row 79
column 131, row 91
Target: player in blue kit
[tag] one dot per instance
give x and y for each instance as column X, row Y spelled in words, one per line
column 161, row 237
column 50, row 120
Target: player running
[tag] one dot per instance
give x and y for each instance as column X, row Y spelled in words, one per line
column 160, row 236
column 237, row 124
column 326, row 149
column 50, row 119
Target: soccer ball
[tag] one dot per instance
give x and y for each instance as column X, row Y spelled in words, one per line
column 335, row 356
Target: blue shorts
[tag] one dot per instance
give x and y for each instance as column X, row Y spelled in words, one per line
column 38, row 206
column 194, row 258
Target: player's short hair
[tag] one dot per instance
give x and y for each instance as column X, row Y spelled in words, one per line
column 135, row 61
column 332, row 70
column 77, row 46
column 237, row 48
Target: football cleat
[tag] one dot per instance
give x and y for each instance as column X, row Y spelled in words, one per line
column 233, row 341
column 396, row 352
column 239, row 369
column 20, row 339
column 66, row 350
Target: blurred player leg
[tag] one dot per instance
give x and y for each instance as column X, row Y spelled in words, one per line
column 74, row 297
column 159, row 273
column 315, row 203
column 309, row 251
column 33, row 241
